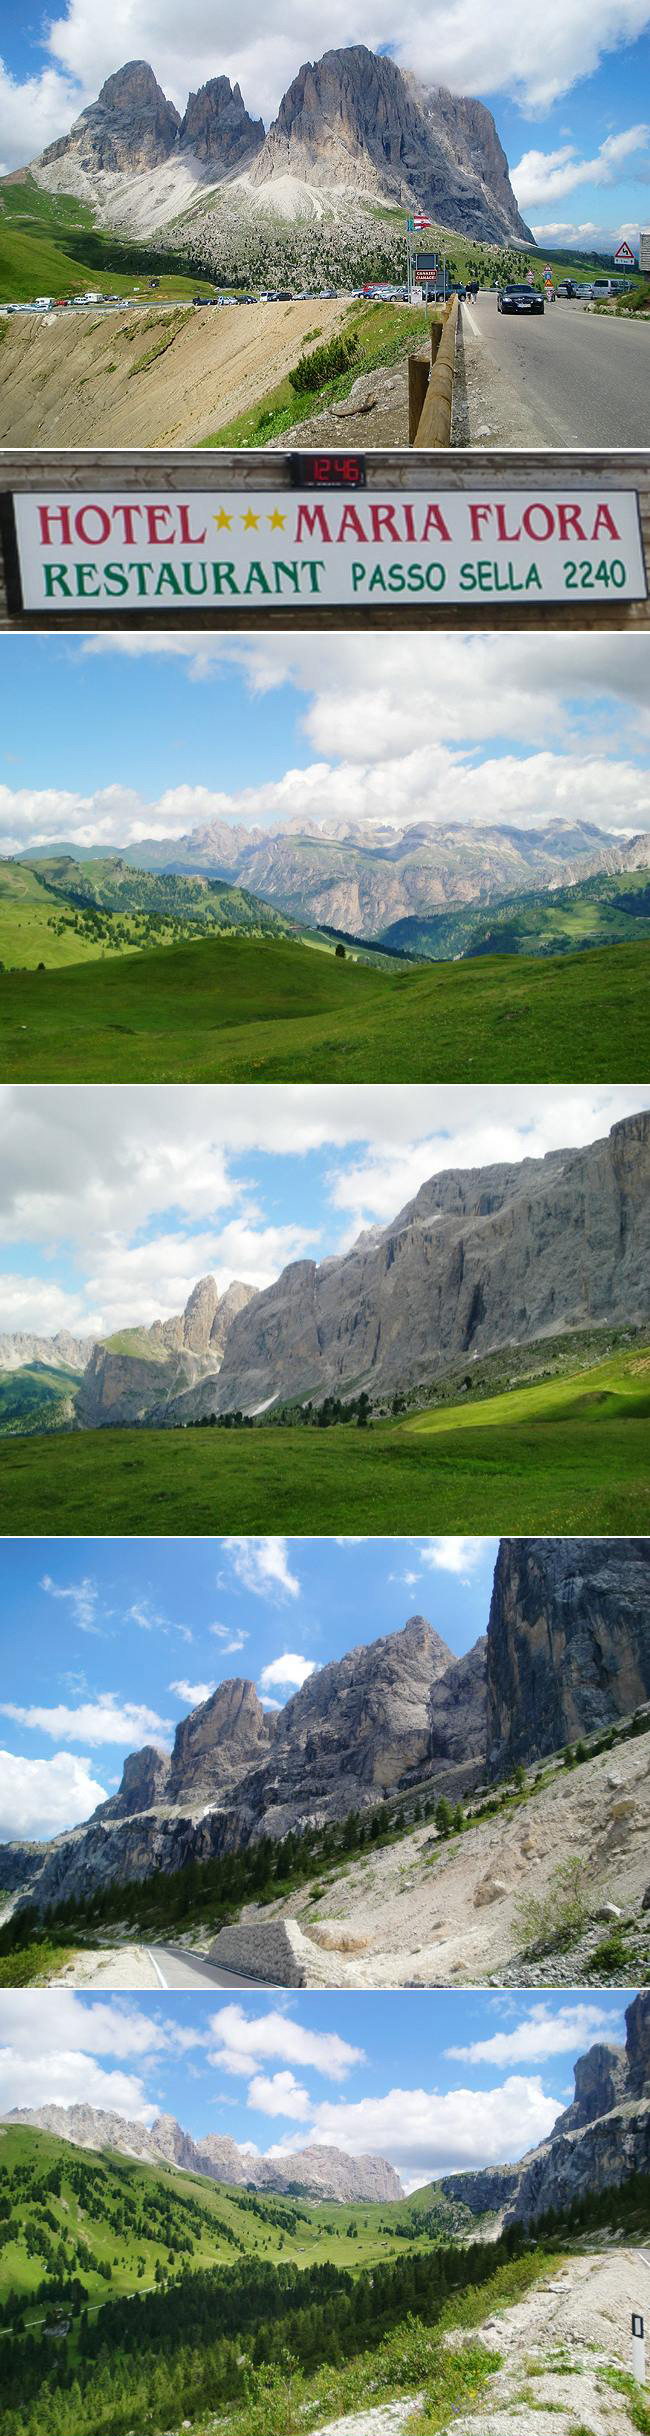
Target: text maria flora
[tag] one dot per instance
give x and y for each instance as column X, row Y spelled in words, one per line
column 265, row 548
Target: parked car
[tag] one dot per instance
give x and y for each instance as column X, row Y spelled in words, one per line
column 514, row 299
column 566, row 287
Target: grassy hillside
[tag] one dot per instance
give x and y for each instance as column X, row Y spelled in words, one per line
column 265, row 1010
column 566, row 1454
column 33, row 1398
column 49, row 247
column 599, row 912
column 57, row 912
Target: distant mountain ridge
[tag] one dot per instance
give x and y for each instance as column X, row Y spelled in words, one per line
column 364, row 877
column 318, row 2173
column 351, row 124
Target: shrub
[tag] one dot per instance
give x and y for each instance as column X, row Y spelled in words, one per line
column 311, row 371
column 544, row 1923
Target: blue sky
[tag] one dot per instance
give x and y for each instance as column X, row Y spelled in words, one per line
column 433, row 2082
column 122, row 1638
column 563, row 82
column 109, row 739
column 114, row 1203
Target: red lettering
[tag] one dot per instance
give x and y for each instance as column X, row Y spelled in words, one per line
column 411, row 534
column 547, row 521
column 128, row 510
column 382, row 521
column 184, row 522
column 351, row 523
column 605, row 523
column 157, row 517
column 83, row 523
column 502, row 526
column 47, row 516
column 434, row 522
column 569, row 522
column 312, row 520
column 478, row 516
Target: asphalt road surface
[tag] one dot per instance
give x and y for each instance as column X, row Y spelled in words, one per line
column 178, row 1969
column 552, row 380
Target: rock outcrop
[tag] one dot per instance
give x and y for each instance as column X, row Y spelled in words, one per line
column 130, row 127
column 317, row 2173
column 401, row 1713
column 599, row 2140
column 135, row 1375
column 568, row 1643
column 352, row 120
column 19, row 1350
column 479, row 1260
column 217, row 129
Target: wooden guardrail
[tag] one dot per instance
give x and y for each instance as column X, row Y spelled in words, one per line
column 431, row 384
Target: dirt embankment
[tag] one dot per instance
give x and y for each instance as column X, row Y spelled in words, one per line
column 564, row 2354
column 163, row 378
column 430, row 1913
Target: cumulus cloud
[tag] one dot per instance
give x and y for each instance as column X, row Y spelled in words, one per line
column 461, row 1556
column 531, row 57
column 232, row 1641
column 262, row 1566
column 193, row 1693
column 243, row 2041
column 279, row 2093
column 541, row 2035
column 82, row 1598
column 41, row 1797
column 51, row 2051
column 290, row 1670
column 427, row 2132
column 107, row 1719
column 542, row 177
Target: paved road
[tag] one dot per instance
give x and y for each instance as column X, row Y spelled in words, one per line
column 555, row 380
column 177, row 1969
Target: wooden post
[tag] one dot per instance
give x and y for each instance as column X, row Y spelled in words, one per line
column 418, row 385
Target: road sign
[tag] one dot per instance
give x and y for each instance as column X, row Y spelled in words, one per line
column 548, row 274
column 624, row 254
column 243, row 549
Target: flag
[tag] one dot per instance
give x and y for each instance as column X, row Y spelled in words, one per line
column 420, row 220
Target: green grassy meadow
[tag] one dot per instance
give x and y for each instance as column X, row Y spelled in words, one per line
column 232, row 1009
column 49, row 247
column 563, row 1455
column 600, row 912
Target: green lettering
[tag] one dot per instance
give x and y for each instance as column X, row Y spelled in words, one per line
column 167, row 580
column 86, row 589
column 115, row 578
column 56, row 580
column 141, row 568
column 223, row 575
column 190, row 568
column 256, row 580
column 281, row 567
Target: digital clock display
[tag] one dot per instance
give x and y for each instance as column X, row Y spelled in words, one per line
column 326, row 472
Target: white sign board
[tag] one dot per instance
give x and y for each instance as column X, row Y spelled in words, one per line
column 238, row 550
column 624, row 254
column 644, row 250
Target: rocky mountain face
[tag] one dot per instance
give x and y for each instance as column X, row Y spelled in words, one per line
column 480, row 1259
column 364, row 877
column 217, row 129
column 600, row 2139
column 398, row 1714
column 351, row 123
column 354, row 121
column 318, row 2173
column 18, row 1351
column 568, row 1645
column 130, row 127
column 132, row 1375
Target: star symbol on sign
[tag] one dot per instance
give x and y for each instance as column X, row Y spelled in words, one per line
column 249, row 519
column 277, row 519
column 222, row 519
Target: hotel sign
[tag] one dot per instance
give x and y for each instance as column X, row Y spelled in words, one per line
column 93, row 552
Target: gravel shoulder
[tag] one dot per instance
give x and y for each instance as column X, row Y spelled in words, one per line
column 115, row 1966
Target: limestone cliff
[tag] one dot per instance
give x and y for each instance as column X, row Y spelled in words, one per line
column 568, row 1642
column 319, row 2173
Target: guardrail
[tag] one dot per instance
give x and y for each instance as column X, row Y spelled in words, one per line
column 431, row 384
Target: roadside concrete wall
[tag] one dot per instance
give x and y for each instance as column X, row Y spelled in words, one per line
column 263, row 1950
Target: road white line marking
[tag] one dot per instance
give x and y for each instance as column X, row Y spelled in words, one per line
column 474, row 327
column 156, row 1965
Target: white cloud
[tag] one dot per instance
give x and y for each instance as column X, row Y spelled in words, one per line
column 461, row 1556
column 106, row 1719
column 289, row 1669
column 194, row 1693
column 82, row 1597
column 267, row 1703
column 279, row 2093
column 427, row 2132
column 540, row 2035
column 242, row 2042
column 533, row 58
column 42, row 1797
column 262, row 1566
column 542, row 177
column 232, row 1641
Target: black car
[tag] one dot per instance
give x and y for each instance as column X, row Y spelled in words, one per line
column 519, row 300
